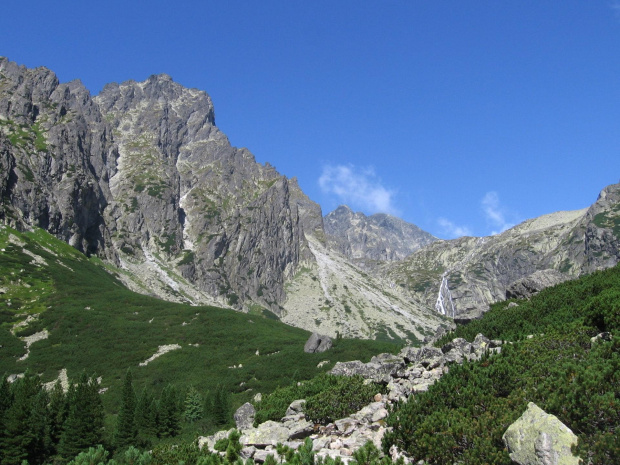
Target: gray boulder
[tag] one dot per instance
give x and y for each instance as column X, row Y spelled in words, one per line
column 269, row 433
column 538, row 438
column 244, row 416
column 317, row 343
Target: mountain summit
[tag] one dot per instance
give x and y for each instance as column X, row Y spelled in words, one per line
column 376, row 237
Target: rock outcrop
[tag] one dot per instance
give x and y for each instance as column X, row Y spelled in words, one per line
column 525, row 288
column 141, row 176
column 538, row 438
column 461, row 277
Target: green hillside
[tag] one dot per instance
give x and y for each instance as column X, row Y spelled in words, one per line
column 96, row 324
column 550, row 359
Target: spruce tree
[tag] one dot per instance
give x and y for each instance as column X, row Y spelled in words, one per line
column 145, row 418
column 20, row 438
column 169, row 414
column 6, row 399
column 193, row 405
column 221, row 406
column 58, row 410
column 126, row 433
column 84, row 424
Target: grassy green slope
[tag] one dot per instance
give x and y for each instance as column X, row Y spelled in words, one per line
column 96, row 324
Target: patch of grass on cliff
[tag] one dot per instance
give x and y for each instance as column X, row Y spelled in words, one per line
column 21, row 135
column 98, row 325
column 604, row 220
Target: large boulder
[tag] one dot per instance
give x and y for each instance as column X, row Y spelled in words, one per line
column 538, row 438
column 317, row 343
column 377, row 372
column 244, row 416
column 269, row 433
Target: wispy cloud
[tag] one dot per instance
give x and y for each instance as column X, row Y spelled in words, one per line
column 452, row 230
column 358, row 187
column 495, row 213
column 615, row 7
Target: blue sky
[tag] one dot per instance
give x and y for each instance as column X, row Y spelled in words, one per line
column 463, row 117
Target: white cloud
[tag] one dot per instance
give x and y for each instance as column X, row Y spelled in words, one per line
column 358, row 188
column 452, row 230
column 495, row 213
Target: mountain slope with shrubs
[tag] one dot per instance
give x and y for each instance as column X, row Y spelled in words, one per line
column 563, row 354
column 67, row 312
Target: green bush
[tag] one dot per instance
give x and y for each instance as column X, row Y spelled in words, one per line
column 328, row 397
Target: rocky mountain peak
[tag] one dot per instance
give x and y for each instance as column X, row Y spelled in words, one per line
column 376, row 237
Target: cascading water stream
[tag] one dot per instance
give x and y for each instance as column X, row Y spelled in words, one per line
column 444, row 305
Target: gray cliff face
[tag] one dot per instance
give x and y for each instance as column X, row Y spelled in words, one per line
column 461, row 277
column 379, row 237
column 141, row 175
column 182, row 192
column 56, row 156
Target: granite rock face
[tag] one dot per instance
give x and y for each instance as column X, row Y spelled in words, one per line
column 141, row 175
column 526, row 287
column 376, row 237
column 538, row 438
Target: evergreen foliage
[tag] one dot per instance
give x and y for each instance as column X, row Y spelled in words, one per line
column 219, row 406
column 146, row 419
column 95, row 323
column 327, row 397
column 193, row 405
column 24, row 423
column 83, row 427
column 169, row 414
column 126, row 433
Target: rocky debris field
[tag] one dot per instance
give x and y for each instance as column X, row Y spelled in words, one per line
column 410, row 371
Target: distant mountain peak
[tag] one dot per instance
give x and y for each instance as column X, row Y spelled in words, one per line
column 380, row 236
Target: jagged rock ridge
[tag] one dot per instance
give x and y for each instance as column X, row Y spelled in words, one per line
column 141, row 175
column 377, row 237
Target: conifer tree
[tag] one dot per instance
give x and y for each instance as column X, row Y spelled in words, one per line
column 193, row 405
column 20, row 439
column 84, row 424
column 126, row 432
column 169, row 414
column 6, row 399
column 39, row 427
column 58, row 410
column 145, row 418
column 221, row 406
